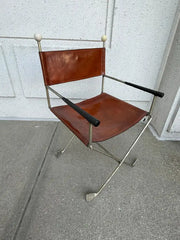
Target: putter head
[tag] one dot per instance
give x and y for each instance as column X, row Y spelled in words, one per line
column 58, row 153
column 90, row 196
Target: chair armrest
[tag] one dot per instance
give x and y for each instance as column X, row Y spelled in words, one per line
column 92, row 120
column 155, row 93
column 95, row 122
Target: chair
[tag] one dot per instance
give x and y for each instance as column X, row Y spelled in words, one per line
column 96, row 119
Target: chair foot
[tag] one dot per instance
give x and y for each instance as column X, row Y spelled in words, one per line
column 90, row 196
column 134, row 162
column 59, row 152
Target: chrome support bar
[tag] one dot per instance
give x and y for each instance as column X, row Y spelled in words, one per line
column 91, row 196
column 56, row 93
column 152, row 104
column 64, row 149
column 102, row 86
column 48, row 98
column 118, row 80
column 90, row 136
column 150, row 118
column 106, row 152
column 109, row 154
column 39, row 46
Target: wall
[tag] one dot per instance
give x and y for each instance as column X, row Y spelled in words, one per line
column 137, row 34
column 166, row 123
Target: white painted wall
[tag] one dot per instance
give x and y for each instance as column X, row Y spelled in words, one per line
column 137, row 34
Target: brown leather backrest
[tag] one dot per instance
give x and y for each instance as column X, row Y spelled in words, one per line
column 72, row 65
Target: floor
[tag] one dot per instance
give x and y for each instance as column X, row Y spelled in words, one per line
column 42, row 197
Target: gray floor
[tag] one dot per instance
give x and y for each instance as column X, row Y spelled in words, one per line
column 42, row 197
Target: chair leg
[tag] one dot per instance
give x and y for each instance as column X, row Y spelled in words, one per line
column 134, row 162
column 59, row 152
column 91, row 196
column 109, row 154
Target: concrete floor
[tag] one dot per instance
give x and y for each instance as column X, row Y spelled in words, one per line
column 42, row 197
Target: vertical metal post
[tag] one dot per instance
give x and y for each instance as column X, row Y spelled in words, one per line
column 152, row 104
column 102, row 86
column 38, row 38
column 90, row 136
column 91, row 196
column 48, row 98
column 39, row 46
column 103, row 39
column 64, row 149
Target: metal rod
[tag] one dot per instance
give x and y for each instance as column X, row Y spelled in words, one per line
column 109, row 154
column 90, row 136
column 38, row 38
column 83, row 113
column 152, row 104
column 91, row 196
column 48, row 98
column 61, row 39
column 104, row 149
column 106, row 152
column 118, row 80
column 151, row 91
column 67, row 145
column 56, row 93
column 125, row 156
column 102, row 86
column 39, row 46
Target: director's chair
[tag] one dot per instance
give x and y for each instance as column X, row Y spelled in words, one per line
column 96, row 119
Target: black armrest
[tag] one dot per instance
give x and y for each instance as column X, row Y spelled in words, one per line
column 155, row 93
column 83, row 113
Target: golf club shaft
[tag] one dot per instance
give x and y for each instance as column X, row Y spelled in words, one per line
column 115, row 170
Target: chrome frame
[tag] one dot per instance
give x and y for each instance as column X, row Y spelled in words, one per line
column 121, row 81
column 48, row 98
column 152, row 104
column 53, row 91
column 91, row 196
column 102, row 85
column 56, row 93
column 90, row 136
column 66, row 146
column 39, row 46
column 110, row 155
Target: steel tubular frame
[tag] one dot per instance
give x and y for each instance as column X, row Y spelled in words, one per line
column 66, row 146
column 91, row 196
column 109, row 154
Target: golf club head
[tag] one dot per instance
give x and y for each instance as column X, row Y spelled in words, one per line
column 90, row 196
column 58, row 153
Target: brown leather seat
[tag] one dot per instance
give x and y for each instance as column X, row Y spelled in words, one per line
column 115, row 116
